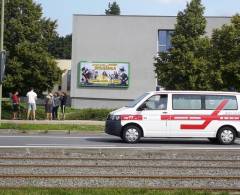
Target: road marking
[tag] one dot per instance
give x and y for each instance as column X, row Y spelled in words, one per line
column 68, row 145
column 119, row 147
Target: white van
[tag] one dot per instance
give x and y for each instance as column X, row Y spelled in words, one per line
column 199, row 114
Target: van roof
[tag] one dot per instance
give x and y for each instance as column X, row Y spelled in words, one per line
column 197, row 92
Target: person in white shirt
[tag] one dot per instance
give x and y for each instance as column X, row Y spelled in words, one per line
column 31, row 100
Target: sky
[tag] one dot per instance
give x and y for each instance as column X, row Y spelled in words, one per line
column 63, row 10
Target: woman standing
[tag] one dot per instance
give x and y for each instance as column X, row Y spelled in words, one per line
column 15, row 105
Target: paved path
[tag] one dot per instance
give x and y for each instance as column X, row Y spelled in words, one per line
column 102, row 140
column 69, row 122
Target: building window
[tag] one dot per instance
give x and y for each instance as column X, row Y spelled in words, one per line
column 68, row 80
column 164, row 40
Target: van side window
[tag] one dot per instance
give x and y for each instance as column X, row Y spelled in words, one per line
column 187, row 102
column 213, row 101
column 156, row 102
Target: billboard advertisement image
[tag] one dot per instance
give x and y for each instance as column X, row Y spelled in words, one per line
column 100, row 74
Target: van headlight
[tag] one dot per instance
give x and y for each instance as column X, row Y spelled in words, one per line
column 115, row 117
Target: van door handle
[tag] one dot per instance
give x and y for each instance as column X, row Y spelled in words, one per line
column 164, row 112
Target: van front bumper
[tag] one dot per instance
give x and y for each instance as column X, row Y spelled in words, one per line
column 113, row 127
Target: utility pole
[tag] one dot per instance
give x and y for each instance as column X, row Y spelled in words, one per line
column 1, row 48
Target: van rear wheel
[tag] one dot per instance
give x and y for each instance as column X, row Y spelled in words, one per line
column 131, row 134
column 226, row 135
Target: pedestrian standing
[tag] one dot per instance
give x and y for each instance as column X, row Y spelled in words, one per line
column 15, row 104
column 56, row 104
column 49, row 106
column 63, row 100
column 31, row 100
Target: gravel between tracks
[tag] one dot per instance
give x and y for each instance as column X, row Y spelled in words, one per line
column 104, row 171
column 157, row 183
column 121, row 162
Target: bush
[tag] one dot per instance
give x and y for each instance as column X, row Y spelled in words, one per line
column 71, row 114
column 88, row 114
column 7, row 111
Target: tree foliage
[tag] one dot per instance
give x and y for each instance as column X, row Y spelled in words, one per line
column 27, row 37
column 113, row 9
column 226, row 55
column 186, row 65
column 61, row 47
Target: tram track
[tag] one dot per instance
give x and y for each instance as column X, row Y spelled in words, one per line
column 202, row 172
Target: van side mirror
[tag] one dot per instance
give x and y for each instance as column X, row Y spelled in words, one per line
column 142, row 107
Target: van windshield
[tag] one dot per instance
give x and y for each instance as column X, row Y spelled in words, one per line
column 136, row 101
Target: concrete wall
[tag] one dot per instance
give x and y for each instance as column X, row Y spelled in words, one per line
column 132, row 39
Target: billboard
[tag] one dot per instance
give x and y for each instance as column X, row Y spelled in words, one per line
column 101, row 74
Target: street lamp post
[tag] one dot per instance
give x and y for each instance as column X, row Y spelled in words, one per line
column 1, row 48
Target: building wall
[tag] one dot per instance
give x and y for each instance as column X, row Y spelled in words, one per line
column 65, row 66
column 132, row 39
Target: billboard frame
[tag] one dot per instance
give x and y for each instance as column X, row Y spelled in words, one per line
column 79, row 72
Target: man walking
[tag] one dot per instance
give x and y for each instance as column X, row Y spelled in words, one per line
column 31, row 99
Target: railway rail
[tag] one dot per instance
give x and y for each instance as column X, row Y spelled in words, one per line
column 122, row 177
column 113, row 166
column 117, row 159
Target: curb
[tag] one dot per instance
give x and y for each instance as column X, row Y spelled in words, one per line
column 48, row 132
column 47, row 122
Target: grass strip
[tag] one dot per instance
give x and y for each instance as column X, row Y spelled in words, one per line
column 48, row 127
column 36, row 191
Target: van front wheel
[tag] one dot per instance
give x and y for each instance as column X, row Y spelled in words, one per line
column 226, row 135
column 131, row 134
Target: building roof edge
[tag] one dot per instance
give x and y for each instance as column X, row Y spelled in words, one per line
column 167, row 16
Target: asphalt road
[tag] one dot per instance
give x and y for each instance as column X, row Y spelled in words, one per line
column 105, row 141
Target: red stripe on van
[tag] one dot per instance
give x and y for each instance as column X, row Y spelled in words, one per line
column 131, row 117
column 200, row 117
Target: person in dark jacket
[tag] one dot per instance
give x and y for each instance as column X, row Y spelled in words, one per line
column 56, row 104
column 63, row 99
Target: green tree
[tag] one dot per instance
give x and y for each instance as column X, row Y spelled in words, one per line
column 113, row 9
column 27, row 36
column 226, row 55
column 61, row 47
column 186, row 65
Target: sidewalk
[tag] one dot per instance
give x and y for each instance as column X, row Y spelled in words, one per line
column 67, row 122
